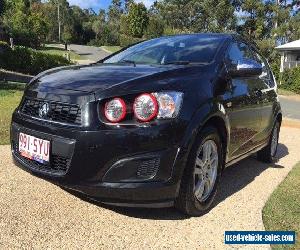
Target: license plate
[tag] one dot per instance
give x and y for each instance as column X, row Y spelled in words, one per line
column 34, row 148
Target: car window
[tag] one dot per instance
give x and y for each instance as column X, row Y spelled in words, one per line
column 266, row 72
column 190, row 48
column 239, row 51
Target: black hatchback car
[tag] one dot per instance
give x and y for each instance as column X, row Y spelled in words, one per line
column 153, row 125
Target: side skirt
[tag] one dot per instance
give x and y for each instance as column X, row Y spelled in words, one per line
column 246, row 155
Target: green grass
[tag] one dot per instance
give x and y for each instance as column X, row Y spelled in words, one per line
column 10, row 96
column 111, row 49
column 60, row 52
column 282, row 210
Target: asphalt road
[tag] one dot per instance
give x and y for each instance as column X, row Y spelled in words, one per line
column 290, row 108
column 89, row 52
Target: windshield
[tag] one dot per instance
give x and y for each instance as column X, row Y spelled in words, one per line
column 167, row 50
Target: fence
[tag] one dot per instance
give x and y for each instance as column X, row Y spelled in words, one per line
column 14, row 77
column 291, row 64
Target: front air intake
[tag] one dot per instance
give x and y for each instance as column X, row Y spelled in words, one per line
column 148, row 168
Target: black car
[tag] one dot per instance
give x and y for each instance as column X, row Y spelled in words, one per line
column 153, row 125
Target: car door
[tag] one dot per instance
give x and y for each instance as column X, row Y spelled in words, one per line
column 268, row 97
column 242, row 102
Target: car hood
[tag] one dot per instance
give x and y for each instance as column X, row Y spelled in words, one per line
column 93, row 78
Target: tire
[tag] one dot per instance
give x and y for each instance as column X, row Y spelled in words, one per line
column 195, row 197
column 268, row 153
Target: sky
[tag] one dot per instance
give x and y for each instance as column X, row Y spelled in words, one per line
column 101, row 4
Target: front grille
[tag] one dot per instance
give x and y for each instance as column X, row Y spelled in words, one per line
column 58, row 112
column 58, row 164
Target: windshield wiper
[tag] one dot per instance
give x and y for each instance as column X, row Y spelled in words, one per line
column 129, row 61
column 177, row 62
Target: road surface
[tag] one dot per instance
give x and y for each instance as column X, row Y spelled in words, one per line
column 89, row 54
column 35, row 214
column 290, row 107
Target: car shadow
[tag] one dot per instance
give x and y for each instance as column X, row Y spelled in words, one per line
column 234, row 178
column 239, row 175
column 84, row 54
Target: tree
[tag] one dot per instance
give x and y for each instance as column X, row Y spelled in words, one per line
column 99, row 23
column 115, row 12
column 137, row 19
column 2, row 6
column 155, row 27
column 127, row 5
column 253, row 18
column 221, row 18
column 198, row 16
column 25, row 23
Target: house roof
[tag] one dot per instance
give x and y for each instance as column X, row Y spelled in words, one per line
column 295, row 45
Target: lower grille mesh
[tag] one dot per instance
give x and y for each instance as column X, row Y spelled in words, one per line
column 148, row 168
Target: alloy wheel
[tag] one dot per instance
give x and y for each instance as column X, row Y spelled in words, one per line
column 206, row 167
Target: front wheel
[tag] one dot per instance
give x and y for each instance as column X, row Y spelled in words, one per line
column 202, row 174
column 268, row 153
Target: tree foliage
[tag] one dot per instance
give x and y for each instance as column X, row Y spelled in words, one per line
column 2, row 6
column 267, row 22
column 137, row 19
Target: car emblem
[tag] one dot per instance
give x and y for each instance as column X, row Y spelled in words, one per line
column 44, row 109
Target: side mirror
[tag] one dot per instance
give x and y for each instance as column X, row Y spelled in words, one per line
column 245, row 67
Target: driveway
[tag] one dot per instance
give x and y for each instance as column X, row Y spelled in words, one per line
column 89, row 54
column 37, row 214
column 290, row 107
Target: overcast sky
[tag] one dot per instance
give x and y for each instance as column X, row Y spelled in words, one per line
column 101, row 4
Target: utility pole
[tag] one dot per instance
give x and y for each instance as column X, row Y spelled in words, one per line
column 59, row 22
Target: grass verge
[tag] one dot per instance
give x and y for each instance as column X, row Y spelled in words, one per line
column 10, row 96
column 282, row 210
column 111, row 49
column 286, row 92
column 60, row 52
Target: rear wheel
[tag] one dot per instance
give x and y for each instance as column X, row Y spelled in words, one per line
column 202, row 174
column 268, row 153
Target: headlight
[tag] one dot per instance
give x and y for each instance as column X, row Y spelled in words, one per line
column 115, row 110
column 169, row 104
column 145, row 107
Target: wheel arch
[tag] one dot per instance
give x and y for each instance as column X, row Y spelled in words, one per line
column 220, row 125
column 209, row 115
column 279, row 117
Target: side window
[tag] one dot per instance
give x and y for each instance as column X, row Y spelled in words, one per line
column 266, row 72
column 238, row 51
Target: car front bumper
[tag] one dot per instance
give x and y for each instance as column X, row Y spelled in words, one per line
column 138, row 166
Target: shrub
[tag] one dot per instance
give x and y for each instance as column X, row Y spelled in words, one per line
column 128, row 40
column 28, row 61
column 108, row 37
column 291, row 80
column 275, row 66
column 4, row 46
column 155, row 28
column 28, row 39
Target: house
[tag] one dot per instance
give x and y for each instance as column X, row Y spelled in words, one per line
column 290, row 55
